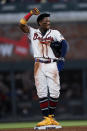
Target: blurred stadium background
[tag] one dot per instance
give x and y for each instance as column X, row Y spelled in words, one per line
column 18, row 98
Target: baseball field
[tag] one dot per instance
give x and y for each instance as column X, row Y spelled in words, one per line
column 23, row 126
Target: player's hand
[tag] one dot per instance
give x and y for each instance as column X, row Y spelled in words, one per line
column 35, row 11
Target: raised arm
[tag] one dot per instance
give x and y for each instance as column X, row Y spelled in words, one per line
column 23, row 22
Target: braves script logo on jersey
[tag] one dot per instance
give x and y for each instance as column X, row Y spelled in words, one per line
column 41, row 39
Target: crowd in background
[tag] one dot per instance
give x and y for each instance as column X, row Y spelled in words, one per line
column 5, row 94
column 26, row 97
column 37, row 1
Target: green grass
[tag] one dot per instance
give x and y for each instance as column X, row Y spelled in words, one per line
column 74, row 123
column 32, row 124
column 17, row 125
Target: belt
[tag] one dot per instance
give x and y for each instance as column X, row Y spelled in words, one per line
column 45, row 61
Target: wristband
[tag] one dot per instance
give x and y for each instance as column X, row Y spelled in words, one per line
column 23, row 21
column 28, row 15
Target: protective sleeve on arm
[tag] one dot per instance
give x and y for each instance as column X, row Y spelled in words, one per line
column 65, row 48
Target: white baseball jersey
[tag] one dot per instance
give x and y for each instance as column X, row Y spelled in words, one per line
column 41, row 44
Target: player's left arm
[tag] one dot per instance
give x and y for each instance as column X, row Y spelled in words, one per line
column 64, row 49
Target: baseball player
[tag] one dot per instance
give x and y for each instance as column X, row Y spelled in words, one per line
column 47, row 66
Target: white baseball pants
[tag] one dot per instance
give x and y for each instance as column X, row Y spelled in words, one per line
column 47, row 77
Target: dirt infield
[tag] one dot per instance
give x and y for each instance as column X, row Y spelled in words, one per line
column 62, row 129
